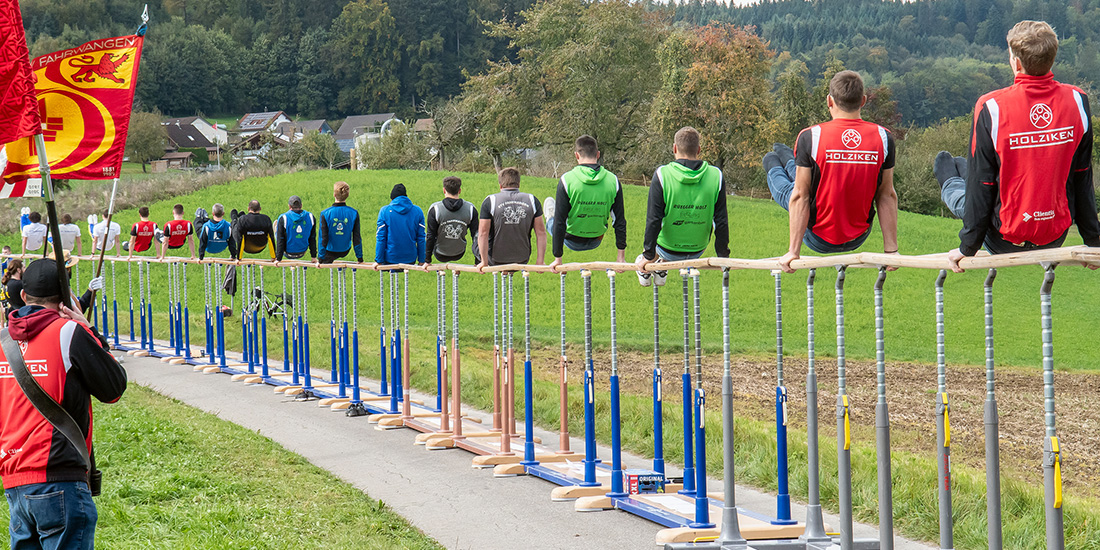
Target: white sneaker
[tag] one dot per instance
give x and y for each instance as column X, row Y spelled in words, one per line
column 659, row 277
column 92, row 219
column 643, row 277
column 549, row 206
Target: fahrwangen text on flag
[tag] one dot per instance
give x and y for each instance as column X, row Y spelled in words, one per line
column 84, row 99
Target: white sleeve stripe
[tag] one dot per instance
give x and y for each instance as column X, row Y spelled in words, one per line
column 492, row 205
column 994, row 122
column 1081, row 109
column 66, row 343
column 885, row 142
column 815, row 139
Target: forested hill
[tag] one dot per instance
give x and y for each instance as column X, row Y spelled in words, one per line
column 317, row 58
column 937, row 56
column 330, row 58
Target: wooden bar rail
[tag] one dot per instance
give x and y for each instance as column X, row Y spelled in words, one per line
column 1072, row 255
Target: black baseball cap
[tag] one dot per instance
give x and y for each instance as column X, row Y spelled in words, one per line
column 295, row 201
column 40, row 279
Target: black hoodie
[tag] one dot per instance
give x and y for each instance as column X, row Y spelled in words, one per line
column 457, row 217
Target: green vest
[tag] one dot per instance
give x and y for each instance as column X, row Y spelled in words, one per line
column 689, row 206
column 591, row 194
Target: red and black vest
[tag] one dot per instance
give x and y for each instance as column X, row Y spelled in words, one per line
column 31, row 450
column 176, row 231
column 142, row 233
column 1035, row 127
column 846, row 158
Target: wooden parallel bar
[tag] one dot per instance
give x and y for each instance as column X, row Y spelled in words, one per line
column 1070, row 255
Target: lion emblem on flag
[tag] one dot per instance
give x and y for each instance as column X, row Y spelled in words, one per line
column 105, row 68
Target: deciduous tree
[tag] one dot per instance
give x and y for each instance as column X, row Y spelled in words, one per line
column 146, row 138
column 366, row 50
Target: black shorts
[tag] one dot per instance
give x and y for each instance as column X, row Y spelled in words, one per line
column 328, row 256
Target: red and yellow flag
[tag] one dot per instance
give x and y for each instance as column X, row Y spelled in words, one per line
column 84, row 100
column 18, row 104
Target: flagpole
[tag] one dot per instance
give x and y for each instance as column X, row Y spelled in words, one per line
column 106, row 236
column 51, row 212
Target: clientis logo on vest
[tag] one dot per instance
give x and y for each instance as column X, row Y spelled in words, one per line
column 1041, row 116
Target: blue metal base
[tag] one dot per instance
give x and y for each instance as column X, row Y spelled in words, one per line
column 553, row 476
column 666, row 518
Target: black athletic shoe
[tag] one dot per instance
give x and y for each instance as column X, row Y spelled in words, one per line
column 233, row 215
column 960, row 165
column 785, row 153
column 771, row 160
column 944, row 167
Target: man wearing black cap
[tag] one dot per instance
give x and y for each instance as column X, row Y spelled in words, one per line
column 295, row 232
column 45, row 477
column 400, row 237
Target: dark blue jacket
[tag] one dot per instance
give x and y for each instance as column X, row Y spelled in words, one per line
column 340, row 230
column 400, row 233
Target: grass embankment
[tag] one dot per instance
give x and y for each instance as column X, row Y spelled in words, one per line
column 176, row 477
column 758, row 229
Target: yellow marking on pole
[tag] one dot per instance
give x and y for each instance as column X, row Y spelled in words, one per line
column 847, row 426
column 1057, row 472
column 946, row 422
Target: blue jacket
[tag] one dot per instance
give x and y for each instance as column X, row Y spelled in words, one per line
column 400, row 233
column 340, row 230
column 215, row 237
column 295, row 233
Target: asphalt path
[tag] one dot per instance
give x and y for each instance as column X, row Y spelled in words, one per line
column 437, row 491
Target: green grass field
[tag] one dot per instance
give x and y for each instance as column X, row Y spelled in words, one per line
column 176, row 477
column 758, row 229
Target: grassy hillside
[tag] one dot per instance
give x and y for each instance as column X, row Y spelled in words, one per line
column 758, row 229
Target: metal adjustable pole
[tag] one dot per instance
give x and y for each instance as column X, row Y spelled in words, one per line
column 685, row 380
column 616, row 427
column 943, row 426
column 882, row 428
column 658, row 406
column 815, row 523
column 992, row 428
column 589, row 389
column 356, row 408
column 528, row 383
column 783, row 498
column 563, row 390
column 702, row 503
column 843, row 423
column 1052, row 461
